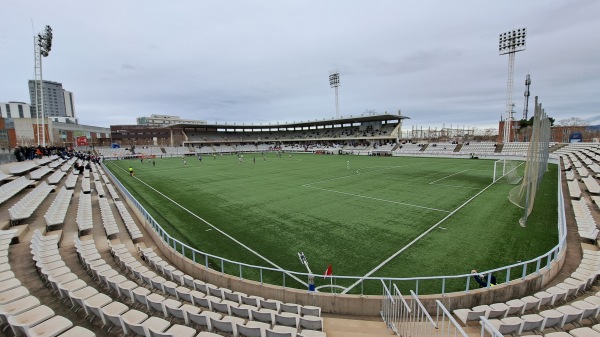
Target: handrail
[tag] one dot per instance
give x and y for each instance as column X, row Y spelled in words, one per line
column 406, row 306
column 422, row 308
column 446, row 313
column 543, row 261
column 486, row 324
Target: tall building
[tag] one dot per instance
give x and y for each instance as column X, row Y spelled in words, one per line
column 57, row 101
column 15, row 110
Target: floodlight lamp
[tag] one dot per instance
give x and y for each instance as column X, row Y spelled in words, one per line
column 334, row 78
column 513, row 41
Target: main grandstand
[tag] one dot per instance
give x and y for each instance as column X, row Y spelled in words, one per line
column 373, row 134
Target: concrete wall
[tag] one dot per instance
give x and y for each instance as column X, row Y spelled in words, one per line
column 350, row 304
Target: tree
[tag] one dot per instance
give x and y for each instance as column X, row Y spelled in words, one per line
column 573, row 121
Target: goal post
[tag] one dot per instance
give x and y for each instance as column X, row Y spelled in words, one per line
column 508, row 171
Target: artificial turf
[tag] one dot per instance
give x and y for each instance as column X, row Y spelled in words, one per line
column 351, row 216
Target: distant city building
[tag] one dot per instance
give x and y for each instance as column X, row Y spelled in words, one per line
column 164, row 120
column 15, row 110
column 57, row 101
column 24, row 132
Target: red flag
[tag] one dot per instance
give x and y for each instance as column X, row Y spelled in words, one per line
column 328, row 272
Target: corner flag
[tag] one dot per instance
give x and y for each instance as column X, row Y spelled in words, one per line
column 328, row 272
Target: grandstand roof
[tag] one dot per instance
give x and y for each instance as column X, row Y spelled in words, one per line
column 347, row 120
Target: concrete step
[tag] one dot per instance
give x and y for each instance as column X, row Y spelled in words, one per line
column 337, row 327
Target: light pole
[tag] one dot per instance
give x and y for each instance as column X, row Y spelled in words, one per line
column 42, row 45
column 510, row 43
column 334, row 82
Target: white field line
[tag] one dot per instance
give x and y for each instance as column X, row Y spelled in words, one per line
column 456, row 186
column 377, row 199
column 354, row 175
column 415, row 240
column 453, row 174
column 220, row 231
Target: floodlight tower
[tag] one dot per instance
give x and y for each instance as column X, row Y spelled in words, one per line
column 42, row 47
column 510, row 43
column 527, row 85
column 334, row 82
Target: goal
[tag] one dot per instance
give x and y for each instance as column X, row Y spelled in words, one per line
column 507, row 171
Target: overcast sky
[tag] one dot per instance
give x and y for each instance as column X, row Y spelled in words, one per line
column 268, row 61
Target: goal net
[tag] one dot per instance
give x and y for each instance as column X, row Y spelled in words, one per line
column 507, row 171
column 536, row 165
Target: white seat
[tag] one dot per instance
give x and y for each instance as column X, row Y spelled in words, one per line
column 17, row 307
column 468, row 315
column 505, row 326
column 174, row 331
column 571, row 314
column 590, row 310
column 553, row 318
column 51, row 327
column 532, row 322
column 287, row 319
column 310, row 322
column 77, row 331
column 584, row 332
column 93, row 304
column 226, row 324
column 132, row 318
column 112, row 312
column 202, row 319
column 21, row 323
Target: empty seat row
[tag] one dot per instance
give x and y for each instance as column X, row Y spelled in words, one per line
column 55, row 163
column 8, row 190
column 71, row 181
column 25, row 314
column 108, row 219
column 56, row 177
column 99, row 188
column 132, row 228
column 85, row 184
column 591, row 184
column 20, row 168
column 116, row 313
column 84, row 213
column 586, row 225
column 112, row 191
column 4, row 176
column 572, row 286
column 574, row 189
column 39, row 173
column 29, row 203
column 55, row 215
column 206, row 310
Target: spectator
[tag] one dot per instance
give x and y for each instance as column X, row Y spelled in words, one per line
column 482, row 279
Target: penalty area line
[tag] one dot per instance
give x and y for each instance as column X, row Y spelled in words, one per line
column 219, row 230
column 415, row 240
column 446, row 177
column 377, row 199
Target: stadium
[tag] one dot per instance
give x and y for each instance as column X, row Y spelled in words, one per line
column 315, row 219
column 272, row 216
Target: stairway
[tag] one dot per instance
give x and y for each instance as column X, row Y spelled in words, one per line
column 340, row 327
column 499, row 148
column 557, row 147
column 458, row 147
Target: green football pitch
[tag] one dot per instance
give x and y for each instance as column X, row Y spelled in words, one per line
column 377, row 216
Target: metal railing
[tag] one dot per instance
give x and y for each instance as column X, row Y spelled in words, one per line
column 489, row 327
column 286, row 278
column 412, row 319
column 447, row 325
